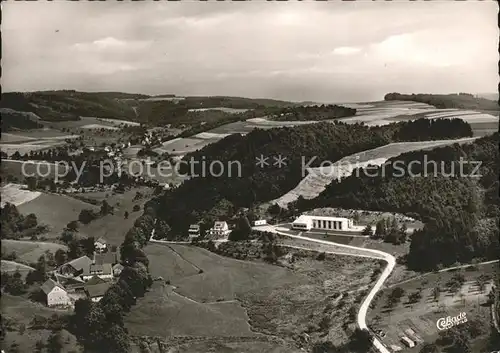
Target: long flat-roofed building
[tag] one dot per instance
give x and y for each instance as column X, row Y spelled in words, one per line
column 307, row 222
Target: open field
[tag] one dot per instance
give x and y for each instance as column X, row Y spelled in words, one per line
column 55, row 211
column 228, row 294
column 17, row 195
column 11, row 138
column 222, row 109
column 21, row 311
column 238, row 346
column 163, row 312
column 10, row 149
column 39, row 134
column 119, row 122
column 422, row 316
column 184, row 145
column 14, row 168
column 33, row 140
column 113, row 227
column 11, row 267
column 99, row 126
column 29, row 251
column 318, row 178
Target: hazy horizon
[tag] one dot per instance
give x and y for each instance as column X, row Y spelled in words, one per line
column 304, row 51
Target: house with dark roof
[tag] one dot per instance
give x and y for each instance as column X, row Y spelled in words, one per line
column 104, row 271
column 75, row 267
column 94, row 280
column 95, row 292
column 56, row 294
column 110, row 257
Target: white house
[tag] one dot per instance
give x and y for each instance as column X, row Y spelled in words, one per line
column 220, row 229
column 194, row 231
column 100, row 245
column 260, row 222
column 55, row 293
column 306, row 222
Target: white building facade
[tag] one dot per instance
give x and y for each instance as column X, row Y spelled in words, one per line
column 306, row 222
column 220, row 229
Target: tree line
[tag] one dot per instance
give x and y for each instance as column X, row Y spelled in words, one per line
column 446, row 101
column 460, row 212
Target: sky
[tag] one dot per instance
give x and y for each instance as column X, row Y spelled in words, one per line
column 301, row 51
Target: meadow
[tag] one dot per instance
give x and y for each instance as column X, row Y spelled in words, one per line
column 55, row 211
column 29, row 251
column 244, row 300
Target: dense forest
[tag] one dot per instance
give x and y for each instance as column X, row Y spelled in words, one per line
column 313, row 112
column 447, row 101
column 69, row 105
column 460, row 209
column 246, row 184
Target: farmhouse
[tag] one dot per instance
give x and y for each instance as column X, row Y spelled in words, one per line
column 306, row 222
column 56, row 294
column 194, row 231
column 76, row 267
column 220, row 229
column 96, row 291
column 100, row 245
column 104, row 271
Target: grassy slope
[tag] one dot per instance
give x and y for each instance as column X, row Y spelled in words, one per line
column 29, row 251
column 55, row 211
column 280, row 301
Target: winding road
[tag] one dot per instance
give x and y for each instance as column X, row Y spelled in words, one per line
column 360, row 252
column 363, row 252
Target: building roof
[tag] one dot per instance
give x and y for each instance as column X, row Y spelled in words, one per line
column 97, row 290
column 118, row 267
column 81, row 263
column 94, row 280
column 220, row 225
column 307, row 218
column 101, row 240
column 194, row 226
column 49, row 285
column 103, row 269
column 106, row 258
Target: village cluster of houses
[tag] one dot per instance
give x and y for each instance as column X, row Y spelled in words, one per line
column 83, row 277
column 220, row 230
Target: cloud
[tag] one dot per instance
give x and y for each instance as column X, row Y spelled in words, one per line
column 346, row 50
column 111, row 43
column 328, row 51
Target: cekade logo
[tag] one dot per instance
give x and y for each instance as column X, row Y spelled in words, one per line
column 448, row 322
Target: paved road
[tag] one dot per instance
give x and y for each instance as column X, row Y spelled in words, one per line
column 376, row 254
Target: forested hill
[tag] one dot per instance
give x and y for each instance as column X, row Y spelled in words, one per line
column 64, row 105
column 459, row 211
column 199, row 197
column 70, row 105
column 448, row 101
column 313, row 112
